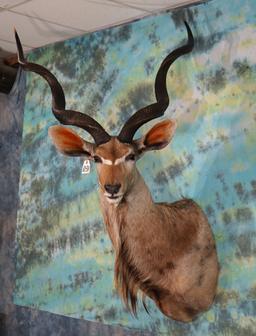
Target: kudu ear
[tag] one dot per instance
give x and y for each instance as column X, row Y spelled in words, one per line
column 69, row 142
column 158, row 137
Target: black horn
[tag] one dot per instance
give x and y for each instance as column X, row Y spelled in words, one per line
column 66, row 117
column 157, row 109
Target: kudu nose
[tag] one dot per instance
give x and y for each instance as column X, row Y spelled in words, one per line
column 112, row 188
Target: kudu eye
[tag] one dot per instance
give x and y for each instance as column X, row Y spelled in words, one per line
column 130, row 157
column 97, row 159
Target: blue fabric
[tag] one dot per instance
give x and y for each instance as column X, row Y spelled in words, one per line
column 64, row 259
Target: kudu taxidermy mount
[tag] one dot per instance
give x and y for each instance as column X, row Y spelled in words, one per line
column 165, row 251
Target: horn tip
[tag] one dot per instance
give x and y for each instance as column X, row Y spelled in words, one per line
column 190, row 35
column 16, row 34
column 21, row 58
column 187, row 26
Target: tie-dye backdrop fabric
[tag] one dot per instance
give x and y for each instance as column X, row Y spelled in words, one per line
column 64, row 256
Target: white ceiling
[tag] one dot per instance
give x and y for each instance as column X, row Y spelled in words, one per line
column 40, row 22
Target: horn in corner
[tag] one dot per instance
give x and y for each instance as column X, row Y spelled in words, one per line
column 157, row 109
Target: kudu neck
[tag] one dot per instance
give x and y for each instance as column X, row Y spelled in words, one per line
column 139, row 194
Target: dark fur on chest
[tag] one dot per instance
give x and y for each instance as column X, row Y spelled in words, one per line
column 129, row 280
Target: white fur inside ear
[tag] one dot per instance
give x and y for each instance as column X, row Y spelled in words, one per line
column 174, row 125
column 85, row 146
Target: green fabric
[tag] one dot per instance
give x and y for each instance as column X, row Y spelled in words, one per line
column 64, row 256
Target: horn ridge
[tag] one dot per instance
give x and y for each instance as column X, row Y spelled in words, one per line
column 157, row 109
column 66, row 117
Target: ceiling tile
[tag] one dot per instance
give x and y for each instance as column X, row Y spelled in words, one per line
column 155, row 5
column 9, row 46
column 11, row 3
column 85, row 15
column 33, row 32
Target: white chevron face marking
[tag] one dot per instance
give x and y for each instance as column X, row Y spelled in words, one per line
column 106, row 161
column 120, row 160
column 116, row 162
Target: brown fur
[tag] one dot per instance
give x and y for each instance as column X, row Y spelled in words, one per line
column 173, row 238
column 163, row 251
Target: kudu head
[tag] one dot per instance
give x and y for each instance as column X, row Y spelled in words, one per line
column 115, row 156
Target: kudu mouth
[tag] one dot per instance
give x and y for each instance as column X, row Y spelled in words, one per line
column 114, row 199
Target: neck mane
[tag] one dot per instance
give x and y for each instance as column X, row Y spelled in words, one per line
column 128, row 219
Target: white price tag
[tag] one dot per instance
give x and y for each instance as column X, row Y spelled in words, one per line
column 86, row 167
